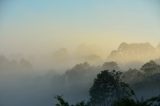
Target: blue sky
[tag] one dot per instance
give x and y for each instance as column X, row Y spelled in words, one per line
column 79, row 10
column 45, row 24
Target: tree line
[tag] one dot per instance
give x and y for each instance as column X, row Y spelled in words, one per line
column 109, row 89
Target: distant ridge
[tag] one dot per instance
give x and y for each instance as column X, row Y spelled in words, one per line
column 140, row 52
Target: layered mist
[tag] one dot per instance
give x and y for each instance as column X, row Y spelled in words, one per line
column 56, row 48
column 36, row 80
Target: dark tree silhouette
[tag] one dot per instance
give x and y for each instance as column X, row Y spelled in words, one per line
column 154, row 101
column 151, row 67
column 110, row 66
column 108, row 88
column 129, row 102
column 62, row 102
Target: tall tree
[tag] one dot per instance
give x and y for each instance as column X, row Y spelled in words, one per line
column 108, row 88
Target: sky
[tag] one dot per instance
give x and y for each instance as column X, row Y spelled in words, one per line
column 36, row 29
column 39, row 26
